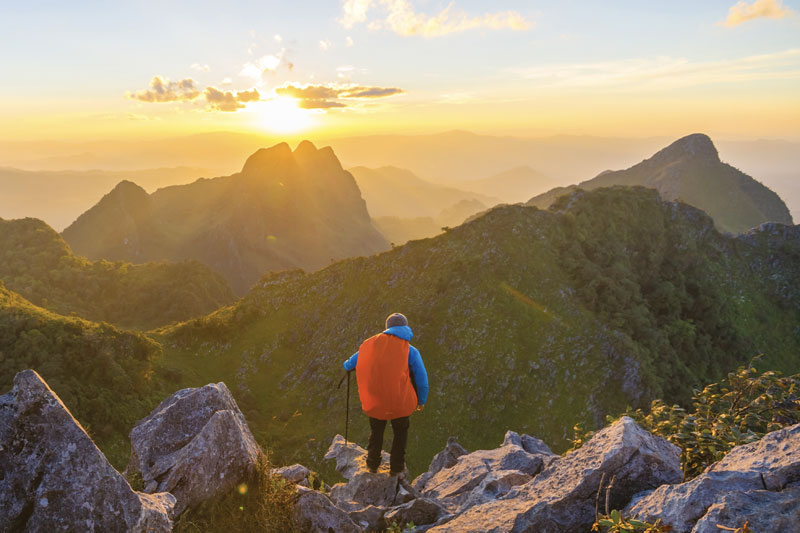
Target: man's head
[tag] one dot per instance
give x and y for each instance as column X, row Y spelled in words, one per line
column 396, row 319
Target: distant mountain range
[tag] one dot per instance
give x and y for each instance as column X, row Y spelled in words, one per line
column 526, row 318
column 58, row 197
column 690, row 170
column 397, row 192
column 512, row 186
column 38, row 264
column 284, row 210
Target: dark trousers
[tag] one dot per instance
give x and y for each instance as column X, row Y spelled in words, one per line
column 397, row 462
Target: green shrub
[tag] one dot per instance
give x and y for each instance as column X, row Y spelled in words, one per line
column 741, row 409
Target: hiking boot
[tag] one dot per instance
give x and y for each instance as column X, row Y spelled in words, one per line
column 372, row 470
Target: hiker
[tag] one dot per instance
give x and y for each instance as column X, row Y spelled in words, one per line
column 392, row 384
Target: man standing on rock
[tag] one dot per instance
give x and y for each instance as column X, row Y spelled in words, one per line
column 392, row 384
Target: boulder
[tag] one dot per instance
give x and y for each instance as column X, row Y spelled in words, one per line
column 769, row 464
column 420, row 511
column 314, row 513
column 54, row 478
column 763, row 510
column 562, row 497
column 494, row 486
column 295, row 473
column 444, row 459
column 351, row 459
column 452, row 486
column 195, row 444
column 370, row 518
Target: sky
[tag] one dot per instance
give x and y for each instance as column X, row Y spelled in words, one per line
column 83, row 70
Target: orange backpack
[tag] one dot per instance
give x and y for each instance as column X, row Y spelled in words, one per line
column 384, row 380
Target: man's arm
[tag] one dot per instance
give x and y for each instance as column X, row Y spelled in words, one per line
column 350, row 364
column 420, row 374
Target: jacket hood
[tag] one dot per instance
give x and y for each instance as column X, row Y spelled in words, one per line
column 404, row 332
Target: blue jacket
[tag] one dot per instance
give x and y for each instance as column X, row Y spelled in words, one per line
column 418, row 373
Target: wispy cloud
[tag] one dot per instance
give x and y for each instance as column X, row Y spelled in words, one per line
column 200, row 68
column 163, row 90
column 265, row 64
column 219, row 100
column 354, row 12
column 743, row 12
column 326, row 96
column 400, row 17
column 663, row 72
column 325, row 44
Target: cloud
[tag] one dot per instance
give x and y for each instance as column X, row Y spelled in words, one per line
column 200, row 68
column 268, row 63
column 277, row 38
column 319, row 104
column 354, row 12
column 348, row 41
column 401, row 18
column 325, row 96
column 369, row 92
column 744, row 12
column 219, row 100
column 325, row 45
column 663, row 72
column 163, row 90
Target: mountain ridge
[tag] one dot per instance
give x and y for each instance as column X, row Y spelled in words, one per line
column 285, row 209
column 690, row 170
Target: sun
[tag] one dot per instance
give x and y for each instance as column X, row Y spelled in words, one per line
column 282, row 115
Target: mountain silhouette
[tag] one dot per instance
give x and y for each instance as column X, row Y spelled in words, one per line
column 690, row 170
column 285, row 209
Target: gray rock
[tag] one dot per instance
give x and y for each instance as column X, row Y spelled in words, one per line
column 370, row 518
column 452, row 486
column 528, row 443
column 351, row 459
column 768, row 464
column 292, row 474
column 763, row 510
column 195, row 444
column 54, row 478
column 420, row 511
column 314, row 512
column 495, row 485
column 366, row 489
column 444, row 459
column 561, row 498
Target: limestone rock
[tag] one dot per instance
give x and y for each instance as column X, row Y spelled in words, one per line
column 452, row 486
column 494, row 486
column 370, row 518
column 314, row 512
column 195, row 444
column 351, row 459
column 420, row 511
column 763, row 510
column 292, row 474
column 444, row 459
column 561, row 498
column 54, row 478
column 768, row 464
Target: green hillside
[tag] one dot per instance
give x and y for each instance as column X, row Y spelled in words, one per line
column 36, row 263
column 526, row 319
column 285, row 209
column 103, row 375
column 689, row 170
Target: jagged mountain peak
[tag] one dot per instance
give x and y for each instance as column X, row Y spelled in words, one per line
column 696, row 146
column 128, row 188
column 266, row 158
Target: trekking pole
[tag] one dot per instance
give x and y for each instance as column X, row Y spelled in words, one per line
column 347, row 410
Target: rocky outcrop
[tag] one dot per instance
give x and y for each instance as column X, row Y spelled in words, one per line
column 444, row 459
column 54, row 478
column 314, row 512
column 485, row 475
column 195, row 444
column 562, row 496
column 748, row 473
